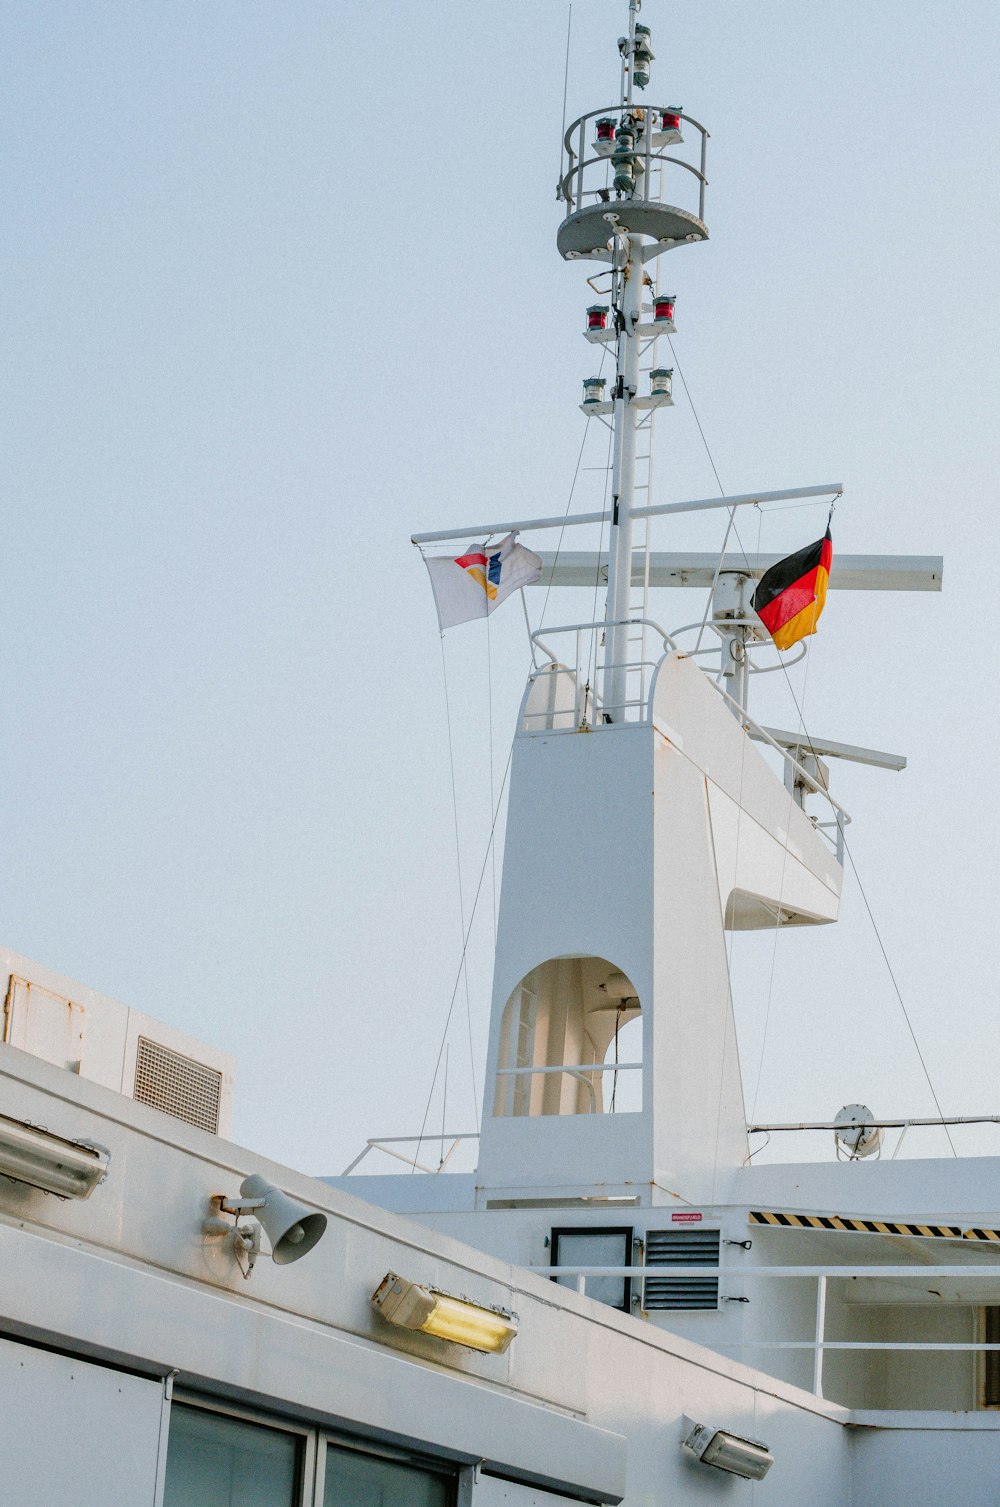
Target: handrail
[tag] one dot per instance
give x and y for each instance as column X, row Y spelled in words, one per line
column 618, row 109
column 842, row 817
column 577, row 160
column 602, row 623
column 579, row 168
column 586, row 1067
column 819, row 1344
column 765, row 737
column 956, row 1269
column 386, row 1142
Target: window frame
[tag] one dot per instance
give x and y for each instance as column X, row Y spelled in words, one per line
column 313, row 1440
column 988, row 1359
column 628, row 1230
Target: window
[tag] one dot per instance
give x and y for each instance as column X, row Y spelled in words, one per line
column 991, row 1358
column 354, row 1479
column 214, row 1460
column 597, row 1246
column 667, row 1248
column 559, row 1051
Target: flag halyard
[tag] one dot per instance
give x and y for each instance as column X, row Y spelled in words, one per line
column 792, row 594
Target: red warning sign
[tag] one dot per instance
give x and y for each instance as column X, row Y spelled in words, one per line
column 685, row 1216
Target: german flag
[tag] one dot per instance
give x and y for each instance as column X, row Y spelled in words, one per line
column 792, row 594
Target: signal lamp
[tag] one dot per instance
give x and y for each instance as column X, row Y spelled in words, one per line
column 414, row 1306
column 642, row 56
column 624, row 160
column 604, row 145
column 597, row 316
column 663, row 307
column 593, row 389
column 661, row 382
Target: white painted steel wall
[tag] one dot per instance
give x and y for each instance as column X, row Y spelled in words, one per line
column 588, row 1402
column 74, row 1434
column 921, row 1461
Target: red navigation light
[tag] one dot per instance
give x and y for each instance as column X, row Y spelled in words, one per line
column 606, row 129
column 663, row 306
column 597, row 316
column 671, row 120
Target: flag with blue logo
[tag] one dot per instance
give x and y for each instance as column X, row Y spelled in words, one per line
column 474, row 584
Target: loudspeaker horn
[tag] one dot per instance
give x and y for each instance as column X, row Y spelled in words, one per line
column 288, row 1225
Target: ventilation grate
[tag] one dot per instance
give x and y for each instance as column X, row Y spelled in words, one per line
column 177, row 1085
column 666, row 1248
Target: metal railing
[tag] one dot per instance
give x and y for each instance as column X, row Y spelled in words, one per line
column 819, row 1343
column 388, row 1143
column 573, row 189
column 582, row 1072
column 589, row 708
column 590, row 711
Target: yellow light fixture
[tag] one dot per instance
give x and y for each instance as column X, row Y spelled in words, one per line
column 413, row 1306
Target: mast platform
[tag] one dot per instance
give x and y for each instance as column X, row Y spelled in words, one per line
column 588, row 232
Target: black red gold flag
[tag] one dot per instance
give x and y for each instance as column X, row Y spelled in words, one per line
column 792, row 594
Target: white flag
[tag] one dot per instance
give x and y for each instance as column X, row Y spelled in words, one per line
column 474, row 584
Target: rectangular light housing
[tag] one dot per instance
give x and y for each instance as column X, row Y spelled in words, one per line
column 740, row 1457
column 413, row 1306
column 48, row 1162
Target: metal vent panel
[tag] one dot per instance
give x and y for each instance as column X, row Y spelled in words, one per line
column 666, row 1248
column 177, row 1085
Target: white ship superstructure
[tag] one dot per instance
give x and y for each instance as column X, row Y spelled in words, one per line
column 617, row 1304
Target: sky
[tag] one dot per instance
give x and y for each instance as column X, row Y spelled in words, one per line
column 281, row 288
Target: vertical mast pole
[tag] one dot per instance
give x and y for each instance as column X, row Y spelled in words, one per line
column 623, row 479
column 628, row 256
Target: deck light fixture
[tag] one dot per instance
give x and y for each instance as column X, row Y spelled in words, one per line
column 730, row 1452
column 413, row 1305
column 70, row 1169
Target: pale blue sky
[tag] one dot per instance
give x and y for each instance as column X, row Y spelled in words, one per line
column 280, row 288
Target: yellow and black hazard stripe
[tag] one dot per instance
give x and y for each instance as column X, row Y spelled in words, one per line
column 865, row 1226
column 981, row 1235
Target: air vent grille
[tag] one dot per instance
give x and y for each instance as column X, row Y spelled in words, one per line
column 177, row 1085
column 666, row 1248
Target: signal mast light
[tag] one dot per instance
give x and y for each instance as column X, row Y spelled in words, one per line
column 669, row 133
column 661, row 382
column 597, row 316
column 642, row 56
column 593, row 390
column 605, row 142
column 624, row 160
column 663, row 308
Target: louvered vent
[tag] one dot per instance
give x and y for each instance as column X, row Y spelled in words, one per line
column 666, row 1248
column 178, row 1085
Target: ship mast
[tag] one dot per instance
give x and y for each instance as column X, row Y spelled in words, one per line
column 623, row 220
